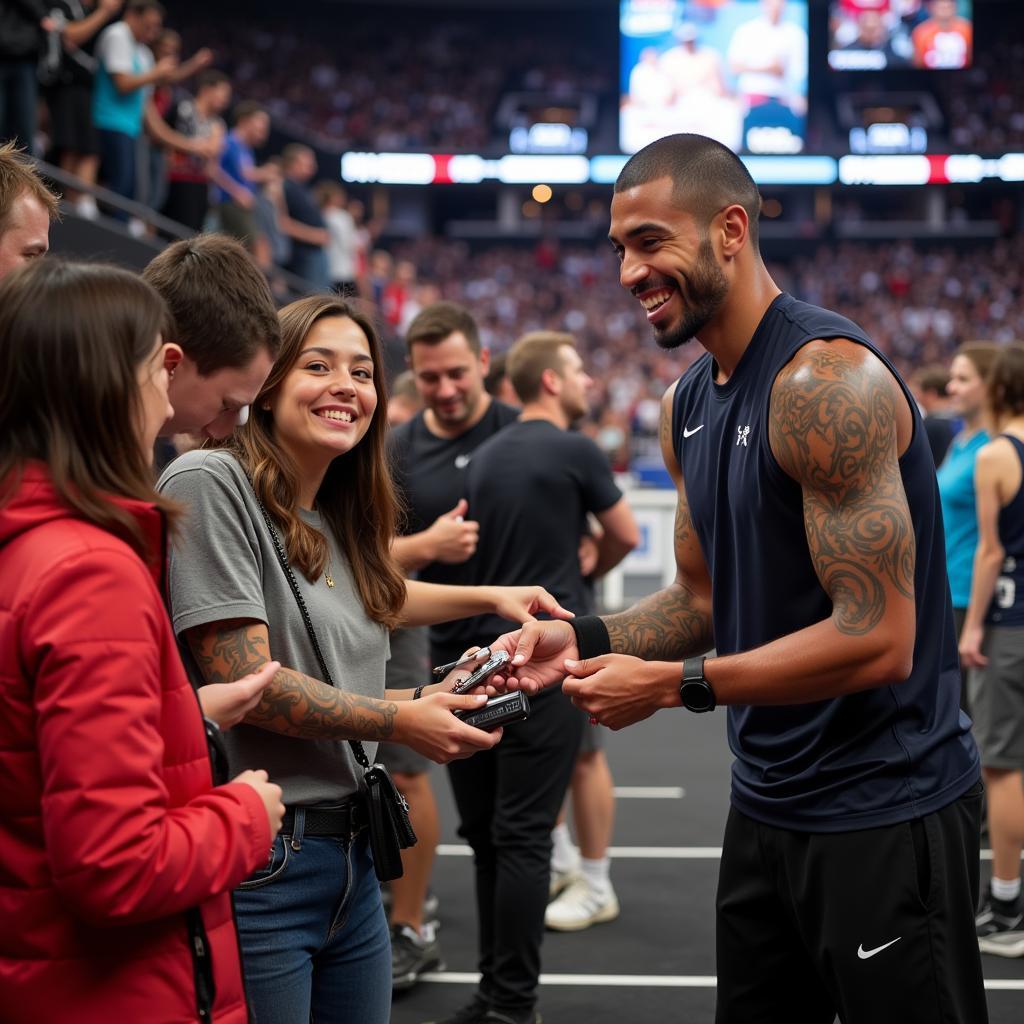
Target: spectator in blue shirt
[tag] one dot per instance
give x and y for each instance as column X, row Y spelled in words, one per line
column 238, row 178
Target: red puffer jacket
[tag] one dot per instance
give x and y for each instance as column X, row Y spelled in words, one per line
column 110, row 828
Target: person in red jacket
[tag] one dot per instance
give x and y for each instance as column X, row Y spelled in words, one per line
column 117, row 852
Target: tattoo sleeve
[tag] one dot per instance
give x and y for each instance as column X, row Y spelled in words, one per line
column 293, row 704
column 675, row 622
column 833, row 428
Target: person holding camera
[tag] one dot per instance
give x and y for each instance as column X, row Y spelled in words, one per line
column 287, row 553
column 118, row 854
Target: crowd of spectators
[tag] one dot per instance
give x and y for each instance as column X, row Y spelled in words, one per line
column 986, row 104
column 423, row 84
column 918, row 304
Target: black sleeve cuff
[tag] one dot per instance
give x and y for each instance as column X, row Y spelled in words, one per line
column 592, row 638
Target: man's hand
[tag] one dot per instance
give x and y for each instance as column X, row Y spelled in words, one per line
column 454, row 538
column 164, row 68
column 520, row 604
column 429, row 727
column 228, row 703
column 618, row 690
column 587, row 554
column 970, row 647
column 539, row 651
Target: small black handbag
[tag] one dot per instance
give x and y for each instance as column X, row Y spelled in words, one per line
column 390, row 829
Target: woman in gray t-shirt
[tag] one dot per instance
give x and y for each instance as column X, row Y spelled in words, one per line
column 313, row 932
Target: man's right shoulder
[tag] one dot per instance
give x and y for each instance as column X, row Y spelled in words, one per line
column 216, row 462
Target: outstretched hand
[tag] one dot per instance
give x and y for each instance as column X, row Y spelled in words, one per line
column 521, row 604
column 617, row 690
column 539, row 651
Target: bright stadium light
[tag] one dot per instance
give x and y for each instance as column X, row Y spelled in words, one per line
column 530, row 170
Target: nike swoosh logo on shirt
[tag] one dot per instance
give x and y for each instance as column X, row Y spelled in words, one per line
column 867, row 954
column 690, row 433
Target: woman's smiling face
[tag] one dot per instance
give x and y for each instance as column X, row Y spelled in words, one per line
column 326, row 402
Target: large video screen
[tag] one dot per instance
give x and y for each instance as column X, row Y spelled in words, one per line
column 870, row 35
column 735, row 70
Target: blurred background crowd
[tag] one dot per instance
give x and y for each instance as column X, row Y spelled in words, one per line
column 235, row 119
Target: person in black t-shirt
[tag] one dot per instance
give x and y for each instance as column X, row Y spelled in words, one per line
column 67, row 69
column 531, row 487
column 430, row 453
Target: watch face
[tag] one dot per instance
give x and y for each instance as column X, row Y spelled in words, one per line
column 697, row 695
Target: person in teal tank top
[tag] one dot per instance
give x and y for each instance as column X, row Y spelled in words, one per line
column 966, row 390
column 992, row 648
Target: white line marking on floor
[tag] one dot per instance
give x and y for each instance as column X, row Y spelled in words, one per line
column 641, row 852
column 650, row 792
column 649, row 980
column 622, row 852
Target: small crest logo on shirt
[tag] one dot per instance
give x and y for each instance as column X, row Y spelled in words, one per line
column 462, row 461
column 742, row 433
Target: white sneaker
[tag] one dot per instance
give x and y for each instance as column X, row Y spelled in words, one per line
column 561, row 880
column 579, row 907
column 85, row 207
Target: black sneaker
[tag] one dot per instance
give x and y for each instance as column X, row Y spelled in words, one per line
column 471, row 1013
column 511, row 1017
column 1000, row 925
column 411, row 956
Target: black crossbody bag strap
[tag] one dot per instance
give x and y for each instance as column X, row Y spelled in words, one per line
column 357, row 747
column 390, row 829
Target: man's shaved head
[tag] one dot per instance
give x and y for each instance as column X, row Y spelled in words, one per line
column 707, row 175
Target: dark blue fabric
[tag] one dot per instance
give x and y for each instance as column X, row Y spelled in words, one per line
column 871, row 758
column 117, row 166
column 1007, row 608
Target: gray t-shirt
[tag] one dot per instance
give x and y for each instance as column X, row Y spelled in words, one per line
column 223, row 566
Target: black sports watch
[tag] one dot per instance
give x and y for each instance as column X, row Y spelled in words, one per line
column 695, row 691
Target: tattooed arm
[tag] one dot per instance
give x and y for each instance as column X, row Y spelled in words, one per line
column 298, row 705
column 675, row 622
column 838, row 423
column 293, row 704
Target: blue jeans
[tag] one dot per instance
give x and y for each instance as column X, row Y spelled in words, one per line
column 117, row 166
column 313, row 933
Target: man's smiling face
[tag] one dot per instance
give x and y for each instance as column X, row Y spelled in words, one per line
column 666, row 261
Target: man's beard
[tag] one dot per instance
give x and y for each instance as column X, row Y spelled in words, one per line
column 706, row 289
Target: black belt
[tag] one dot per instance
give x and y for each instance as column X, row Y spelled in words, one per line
column 347, row 820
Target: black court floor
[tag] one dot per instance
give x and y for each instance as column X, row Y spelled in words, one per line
column 656, row 962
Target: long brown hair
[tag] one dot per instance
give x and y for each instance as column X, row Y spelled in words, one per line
column 1005, row 383
column 356, row 499
column 74, row 336
column 980, row 354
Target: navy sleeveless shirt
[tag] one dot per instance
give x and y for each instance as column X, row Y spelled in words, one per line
column 867, row 759
column 1007, row 608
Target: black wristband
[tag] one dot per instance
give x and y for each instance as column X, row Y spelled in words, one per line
column 418, row 692
column 592, row 638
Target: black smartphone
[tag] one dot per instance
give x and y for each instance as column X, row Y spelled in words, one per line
column 495, row 662
column 498, row 711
